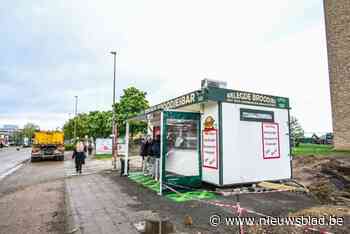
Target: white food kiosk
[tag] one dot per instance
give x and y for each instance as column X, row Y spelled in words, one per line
column 221, row 136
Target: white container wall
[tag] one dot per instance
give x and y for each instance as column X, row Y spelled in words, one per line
column 244, row 160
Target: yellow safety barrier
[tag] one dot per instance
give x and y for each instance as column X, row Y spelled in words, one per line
column 281, row 187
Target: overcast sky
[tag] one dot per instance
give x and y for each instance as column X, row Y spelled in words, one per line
column 53, row 50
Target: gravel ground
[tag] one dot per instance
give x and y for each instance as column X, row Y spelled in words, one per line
column 172, row 211
column 273, row 204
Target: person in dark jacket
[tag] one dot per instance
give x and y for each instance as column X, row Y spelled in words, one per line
column 90, row 148
column 145, row 152
column 146, row 147
column 155, row 157
column 155, row 150
column 79, row 156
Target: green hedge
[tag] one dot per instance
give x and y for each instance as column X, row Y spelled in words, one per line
column 69, row 147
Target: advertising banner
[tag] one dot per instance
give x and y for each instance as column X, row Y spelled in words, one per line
column 103, row 146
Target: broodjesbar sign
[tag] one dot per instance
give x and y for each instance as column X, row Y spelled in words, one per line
column 187, row 99
column 219, row 94
column 256, row 99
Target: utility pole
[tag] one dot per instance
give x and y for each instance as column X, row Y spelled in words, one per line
column 75, row 119
column 114, row 126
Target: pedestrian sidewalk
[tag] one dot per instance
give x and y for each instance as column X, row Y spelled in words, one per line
column 98, row 205
column 91, row 166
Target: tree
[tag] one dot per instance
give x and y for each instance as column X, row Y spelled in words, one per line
column 296, row 130
column 98, row 124
column 17, row 137
column 29, row 130
column 68, row 129
column 132, row 102
column 81, row 122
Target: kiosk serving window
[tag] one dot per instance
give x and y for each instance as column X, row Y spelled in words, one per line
column 182, row 134
column 256, row 115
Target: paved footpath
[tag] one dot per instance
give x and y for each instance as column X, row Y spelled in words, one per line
column 99, row 206
column 90, row 167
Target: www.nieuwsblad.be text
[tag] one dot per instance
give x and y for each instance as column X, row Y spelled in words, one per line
column 216, row 220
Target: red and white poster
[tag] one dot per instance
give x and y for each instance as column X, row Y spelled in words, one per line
column 103, row 146
column 270, row 140
column 210, row 148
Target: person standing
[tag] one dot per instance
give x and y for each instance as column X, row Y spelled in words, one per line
column 145, row 152
column 85, row 148
column 90, row 148
column 79, row 156
column 156, row 156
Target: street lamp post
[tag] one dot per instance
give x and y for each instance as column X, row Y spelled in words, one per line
column 114, row 126
column 75, row 119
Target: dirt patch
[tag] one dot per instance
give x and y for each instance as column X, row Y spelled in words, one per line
column 325, row 210
column 327, row 178
column 258, row 229
column 328, row 212
column 322, row 213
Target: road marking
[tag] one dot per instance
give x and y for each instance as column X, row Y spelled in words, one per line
column 12, row 170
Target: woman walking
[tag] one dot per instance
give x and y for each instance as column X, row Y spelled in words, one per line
column 79, row 156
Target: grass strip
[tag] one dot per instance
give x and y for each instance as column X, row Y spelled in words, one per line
column 103, row 156
column 318, row 150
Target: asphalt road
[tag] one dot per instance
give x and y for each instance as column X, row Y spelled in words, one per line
column 10, row 158
column 32, row 198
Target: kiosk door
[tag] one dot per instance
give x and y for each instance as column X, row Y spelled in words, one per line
column 181, row 161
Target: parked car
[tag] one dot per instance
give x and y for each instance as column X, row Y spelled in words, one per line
column 326, row 139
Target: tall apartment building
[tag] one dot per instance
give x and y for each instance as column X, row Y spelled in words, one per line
column 337, row 18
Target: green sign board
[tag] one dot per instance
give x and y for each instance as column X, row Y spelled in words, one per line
column 184, row 100
column 220, row 94
column 256, row 99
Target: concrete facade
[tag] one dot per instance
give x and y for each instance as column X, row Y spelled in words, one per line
column 337, row 18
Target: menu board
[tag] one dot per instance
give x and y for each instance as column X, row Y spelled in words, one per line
column 270, row 140
column 210, row 148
